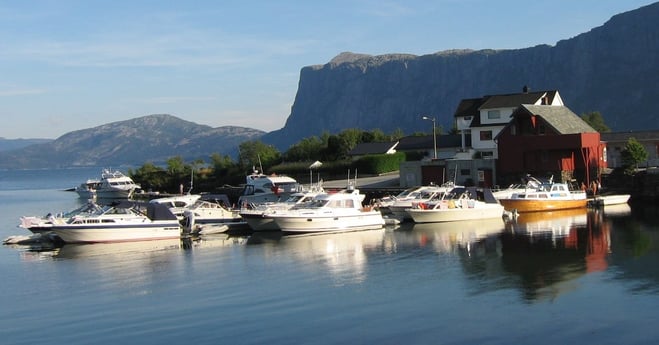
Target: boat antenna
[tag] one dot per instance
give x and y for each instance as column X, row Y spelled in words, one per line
column 260, row 164
column 191, row 180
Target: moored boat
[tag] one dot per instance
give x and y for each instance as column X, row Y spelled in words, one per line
column 115, row 185
column 123, row 221
column 178, row 204
column 421, row 194
column 610, row 199
column 112, row 185
column 545, row 196
column 87, row 189
column 42, row 224
column 260, row 188
column 340, row 211
column 509, row 191
column 210, row 213
column 460, row 204
column 253, row 215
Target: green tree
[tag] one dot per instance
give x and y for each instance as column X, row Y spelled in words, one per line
column 150, row 177
column 225, row 170
column 255, row 154
column 595, row 120
column 175, row 165
column 633, row 154
column 396, row 134
column 350, row 138
column 307, row 149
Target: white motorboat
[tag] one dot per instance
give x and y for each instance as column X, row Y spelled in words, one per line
column 420, row 194
column 260, row 188
column 211, row 211
column 341, row 211
column 178, row 204
column 87, row 189
column 610, row 199
column 461, row 203
column 254, row 214
column 115, row 185
column 509, row 191
column 42, row 224
column 123, row 221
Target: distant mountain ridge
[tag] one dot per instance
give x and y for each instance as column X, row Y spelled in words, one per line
column 14, row 144
column 152, row 138
column 611, row 69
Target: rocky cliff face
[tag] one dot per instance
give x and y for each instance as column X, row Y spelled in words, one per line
column 613, row 69
column 153, row 138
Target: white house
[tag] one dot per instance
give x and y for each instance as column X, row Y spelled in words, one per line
column 485, row 117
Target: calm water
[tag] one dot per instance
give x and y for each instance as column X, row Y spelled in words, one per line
column 585, row 277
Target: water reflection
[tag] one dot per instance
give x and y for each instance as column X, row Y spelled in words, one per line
column 123, row 250
column 213, row 241
column 620, row 210
column 547, row 251
column 343, row 255
column 635, row 251
column 448, row 237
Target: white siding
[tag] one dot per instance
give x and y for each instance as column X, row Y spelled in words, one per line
column 504, row 116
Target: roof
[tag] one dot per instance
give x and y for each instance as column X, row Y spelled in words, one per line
column 624, row 136
column 514, row 100
column 414, row 143
column 472, row 106
column 372, row 148
column 469, row 107
column 562, row 119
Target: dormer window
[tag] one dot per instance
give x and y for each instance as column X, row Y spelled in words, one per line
column 493, row 114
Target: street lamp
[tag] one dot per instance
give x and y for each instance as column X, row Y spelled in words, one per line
column 434, row 136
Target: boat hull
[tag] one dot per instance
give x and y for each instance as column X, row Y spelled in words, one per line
column 532, row 205
column 257, row 222
column 617, row 199
column 329, row 223
column 124, row 233
column 114, row 194
column 487, row 211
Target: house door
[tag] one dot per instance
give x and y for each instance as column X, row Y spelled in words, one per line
column 433, row 174
column 485, row 178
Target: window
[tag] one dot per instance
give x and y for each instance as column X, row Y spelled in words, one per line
column 486, row 135
column 465, row 172
column 541, row 129
column 493, row 114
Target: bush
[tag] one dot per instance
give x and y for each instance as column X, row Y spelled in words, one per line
column 378, row 164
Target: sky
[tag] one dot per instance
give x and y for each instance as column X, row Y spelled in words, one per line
column 67, row 65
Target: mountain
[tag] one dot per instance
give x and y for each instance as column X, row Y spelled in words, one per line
column 153, row 138
column 611, row 69
column 13, row 144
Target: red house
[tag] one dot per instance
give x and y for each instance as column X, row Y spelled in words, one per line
column 544, row 140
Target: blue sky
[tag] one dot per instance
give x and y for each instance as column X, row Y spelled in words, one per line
column 67, row 65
